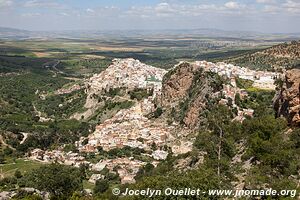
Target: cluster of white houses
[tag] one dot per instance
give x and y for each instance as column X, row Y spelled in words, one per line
column 127, row 73
column 126, row 168
column 261, row 79
column 130, row 127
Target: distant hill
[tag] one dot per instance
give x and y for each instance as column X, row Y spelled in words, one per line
column 16, row 34
column 12, row 30
column 12, row 33
column 286, row 55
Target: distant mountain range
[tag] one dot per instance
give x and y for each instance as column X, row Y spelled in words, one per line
column 19, row 34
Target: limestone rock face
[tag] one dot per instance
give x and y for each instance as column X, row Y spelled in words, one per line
column 186, row 90
column 177, row 82
column 287, row 100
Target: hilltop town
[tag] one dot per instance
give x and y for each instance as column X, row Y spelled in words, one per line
column 132, row 128
column 139, row 100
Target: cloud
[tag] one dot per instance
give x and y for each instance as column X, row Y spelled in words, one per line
column 5, row 3
column 31, row 14
column 274, row 9
column 227, row 14
column 168, row 9
column 64, row 14
column 89, row 10
column 292, row 6
column 43, row 4
column 266, row 1
column 232, row 5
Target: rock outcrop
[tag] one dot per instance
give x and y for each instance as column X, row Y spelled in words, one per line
column 186, row 90
column 287, row 100
column 177, row 83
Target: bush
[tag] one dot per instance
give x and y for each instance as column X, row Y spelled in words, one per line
column 18, row 174
column 101, row 186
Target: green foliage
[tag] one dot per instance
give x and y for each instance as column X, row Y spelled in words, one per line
column 81, row 196
column 144, row 171
column 18, row 174
column 140, row 93
column 237, row 99
column 295, row 138
column 8, row 183
column 270, row 58
column 260, row 101
column 219, row 140
column 216, row 81
column 62, row 106
column 158, row 112
column 201, row 178
column 243, row 83
column 109, row 109
column 277, row 155
column 109, row 105
column 2, row 159
column 59, row 180
column 125, row 151
column 79, row 67
column 22, row 194
column 70, row 147
column 273, row 151
column 57, row 132
column 112, row 92
column 101, row 186
column 18, row 93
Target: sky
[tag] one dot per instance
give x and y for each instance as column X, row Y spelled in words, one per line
column 269, row 16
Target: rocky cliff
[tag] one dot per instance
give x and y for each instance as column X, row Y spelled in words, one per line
column 187, row 90
column 287, row 100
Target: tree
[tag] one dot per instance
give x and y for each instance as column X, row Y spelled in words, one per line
column 18, row 174
column 154, row 146
column 148, row 167
column 113, row 177
column 144, row 171
column 59, row 180
column 218, row 119
column 101, row 186
column 7, row 151
column 70, row 147
column 237, row 99
column 158, row 112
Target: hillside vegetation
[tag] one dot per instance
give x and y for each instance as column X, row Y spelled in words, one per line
column 39, row 98
column 286, row 55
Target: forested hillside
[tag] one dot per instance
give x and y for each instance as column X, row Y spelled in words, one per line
column 280, row 56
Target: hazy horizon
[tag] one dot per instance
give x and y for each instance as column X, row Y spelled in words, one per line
column 149, row 30
column 264, row 16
